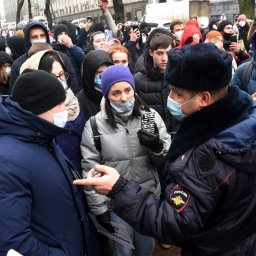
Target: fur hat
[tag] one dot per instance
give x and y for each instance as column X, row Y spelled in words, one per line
column 114, row 74
column 199, row 67
column 38, row 91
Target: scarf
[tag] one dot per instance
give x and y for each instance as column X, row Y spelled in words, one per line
column 72, row 105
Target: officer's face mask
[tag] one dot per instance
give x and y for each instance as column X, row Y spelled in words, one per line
column 175, row 108
column 60, row 119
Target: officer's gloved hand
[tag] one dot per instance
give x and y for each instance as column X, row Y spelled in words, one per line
column 104, row 221
column 150, row 140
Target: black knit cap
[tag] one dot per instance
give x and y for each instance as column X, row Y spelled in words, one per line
column 5, row 57
column 223, row 24
column 199, row 67
column 38, row 91
column 60, row 28
column 96, row 27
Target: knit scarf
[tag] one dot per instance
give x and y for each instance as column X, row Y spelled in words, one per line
column 72, row 105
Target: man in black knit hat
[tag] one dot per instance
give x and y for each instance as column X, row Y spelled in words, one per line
column 230, row 43
column 210, row 194
column 75, row 54
column 41, row 213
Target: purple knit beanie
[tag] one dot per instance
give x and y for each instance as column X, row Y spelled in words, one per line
column 114, row 74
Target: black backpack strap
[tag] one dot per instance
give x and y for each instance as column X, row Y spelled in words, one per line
column 96, row 134
column 246, row 76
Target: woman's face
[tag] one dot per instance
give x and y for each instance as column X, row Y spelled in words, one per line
column 5, row 70
column 99, row 41
column 120, row 58
column 120, row 92
column 58, row 71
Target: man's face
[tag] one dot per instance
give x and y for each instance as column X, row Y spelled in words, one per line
column 228, row 29
column 160, row 57
column 62, row 34
column 37, row 34
column 178, row 27
column 190, row 101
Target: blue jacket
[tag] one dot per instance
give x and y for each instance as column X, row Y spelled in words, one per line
column 41, row 212
column 210, row 202
column 70, row 143
column 238, row 77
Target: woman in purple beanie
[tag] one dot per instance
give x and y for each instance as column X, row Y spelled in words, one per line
column 132, row 139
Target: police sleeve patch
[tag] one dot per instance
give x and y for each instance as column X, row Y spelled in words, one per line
column 179, row 198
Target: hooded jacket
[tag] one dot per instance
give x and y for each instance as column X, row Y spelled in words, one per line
column 41, row 213
column 240, row 72
column 188, row 32
column 154, row 90
column 209, row 208
column 90, row 97
column 18, row 62
column 75, row 55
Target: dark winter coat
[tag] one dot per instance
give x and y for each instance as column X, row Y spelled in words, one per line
column 70, row 143
column 90, row 97
column 18, row 62
column 210, row 202
column 41, row 212
column 154, row 91
column 4, row 89
column 76, row 56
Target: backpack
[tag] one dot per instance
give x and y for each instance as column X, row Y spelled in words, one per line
column 96, row 134
column 246, row 75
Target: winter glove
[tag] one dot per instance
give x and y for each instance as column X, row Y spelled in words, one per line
column 104, row 221
column 151, row 140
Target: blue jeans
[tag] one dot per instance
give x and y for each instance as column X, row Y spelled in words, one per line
column 144, row 245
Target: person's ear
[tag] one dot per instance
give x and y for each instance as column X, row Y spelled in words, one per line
column 206, row 99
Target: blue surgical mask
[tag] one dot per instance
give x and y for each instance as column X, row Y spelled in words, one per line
column 97, row 80
column 60, row 119
column 123, row 107
column 175, row 108
column 64, row 84
column 35, row 41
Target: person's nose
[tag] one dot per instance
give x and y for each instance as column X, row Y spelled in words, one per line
column 124, row 97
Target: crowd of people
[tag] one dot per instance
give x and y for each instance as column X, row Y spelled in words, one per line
column 151, row 129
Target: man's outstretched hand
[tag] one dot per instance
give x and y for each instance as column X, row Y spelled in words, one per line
column 101, row 178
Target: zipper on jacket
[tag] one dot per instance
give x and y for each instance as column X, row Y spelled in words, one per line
column 129, row 147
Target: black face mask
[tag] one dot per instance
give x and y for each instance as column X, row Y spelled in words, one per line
column 227, row 36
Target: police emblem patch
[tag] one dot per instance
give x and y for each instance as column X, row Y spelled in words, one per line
column 179, row 198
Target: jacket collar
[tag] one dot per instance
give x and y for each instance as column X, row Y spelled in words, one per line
column 208, row 122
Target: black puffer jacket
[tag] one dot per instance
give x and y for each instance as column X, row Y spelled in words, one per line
column 154, row 91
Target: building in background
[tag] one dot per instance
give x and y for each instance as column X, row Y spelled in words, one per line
column 133, row 9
